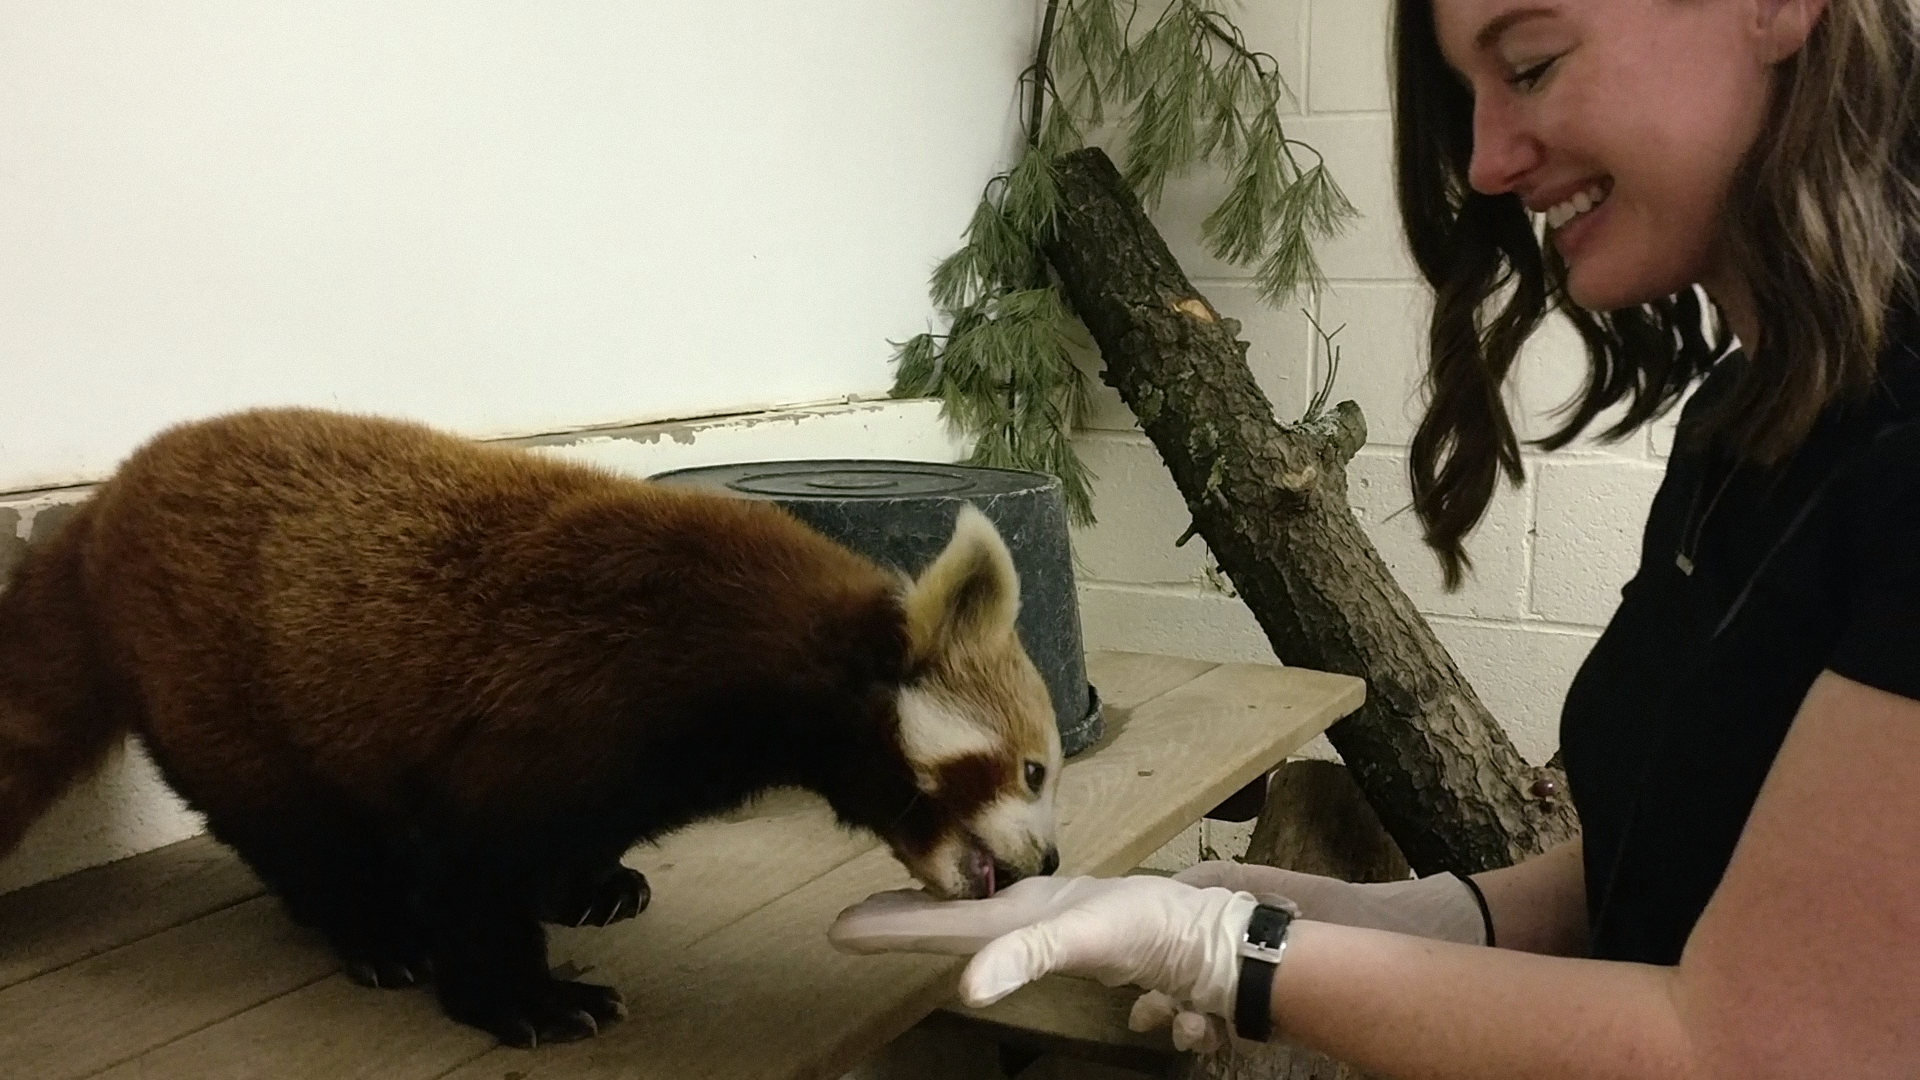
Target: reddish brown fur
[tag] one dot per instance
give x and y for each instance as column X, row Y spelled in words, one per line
column 58, row 716
column 401, row 607
column 367, row 650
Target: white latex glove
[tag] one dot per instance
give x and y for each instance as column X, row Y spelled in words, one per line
column 1152, row 932
column 910, row 920
column 1440, row 907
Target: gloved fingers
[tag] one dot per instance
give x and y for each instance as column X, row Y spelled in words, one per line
column 899, row 919
column 1198, row 1032
column 1075, row 943
column 1005, row 965
column 1151, row 1010
column 914, row 921
column 1194, row 1031
column 894, row 900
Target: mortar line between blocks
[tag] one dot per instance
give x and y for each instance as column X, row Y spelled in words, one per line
column 1344, row 113
column 1305, row 29
column 1543, row 627
column 1529, row 542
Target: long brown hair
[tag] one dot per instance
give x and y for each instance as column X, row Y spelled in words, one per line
column 1823, row 216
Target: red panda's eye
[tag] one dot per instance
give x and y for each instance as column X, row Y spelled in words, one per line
column 1036, row 776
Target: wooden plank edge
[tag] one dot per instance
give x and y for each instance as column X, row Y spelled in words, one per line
column 62, row 922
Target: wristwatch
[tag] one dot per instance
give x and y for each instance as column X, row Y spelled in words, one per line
column 1260, row 950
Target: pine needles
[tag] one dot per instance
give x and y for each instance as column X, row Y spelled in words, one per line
column 1180, row 92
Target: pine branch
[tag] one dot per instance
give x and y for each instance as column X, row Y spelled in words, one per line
column 1190, row 90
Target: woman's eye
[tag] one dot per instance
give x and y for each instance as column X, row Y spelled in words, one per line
column 1528, row 79
column 1036, row 776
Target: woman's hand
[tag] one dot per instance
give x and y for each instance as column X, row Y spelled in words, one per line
column 910, row 920
column 1152, row 932
column 1441, row 908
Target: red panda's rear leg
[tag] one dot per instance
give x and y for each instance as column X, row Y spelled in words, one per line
column 490, row 956
column 339, row 878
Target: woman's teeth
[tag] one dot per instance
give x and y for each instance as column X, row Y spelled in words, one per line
column 1580, row 203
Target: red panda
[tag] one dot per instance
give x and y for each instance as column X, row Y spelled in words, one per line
column 431, row 691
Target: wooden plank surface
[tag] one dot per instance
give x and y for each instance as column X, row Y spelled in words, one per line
column 87, row 1016
column 1129, row 680
column 85, row 914
column 702, row 878
column 1179, row 754
column 729, row 974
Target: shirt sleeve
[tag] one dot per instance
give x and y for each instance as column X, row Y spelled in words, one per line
column 1880, row 642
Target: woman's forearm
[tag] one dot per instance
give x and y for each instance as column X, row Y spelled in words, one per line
column 1412, row 1009
column 1540, row 906
column 1803, row 964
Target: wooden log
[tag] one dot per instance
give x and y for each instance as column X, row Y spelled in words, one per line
column 1319, row 822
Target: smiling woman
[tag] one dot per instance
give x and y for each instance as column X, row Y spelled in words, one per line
column 1743, row 742
column 1729, row 145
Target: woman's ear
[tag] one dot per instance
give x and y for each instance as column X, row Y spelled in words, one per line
column 1782, row 27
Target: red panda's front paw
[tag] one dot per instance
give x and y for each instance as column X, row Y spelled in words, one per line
column 599, row 900
column 548, row 1012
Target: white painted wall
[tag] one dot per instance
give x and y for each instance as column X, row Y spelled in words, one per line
column 1550, row 556
column 499, row 216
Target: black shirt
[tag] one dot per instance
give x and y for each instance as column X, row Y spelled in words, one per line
column 1675, row 717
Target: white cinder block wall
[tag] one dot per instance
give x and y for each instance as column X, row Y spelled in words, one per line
column 1549, row 558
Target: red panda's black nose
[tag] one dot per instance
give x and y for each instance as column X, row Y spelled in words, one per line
column 1050, row 862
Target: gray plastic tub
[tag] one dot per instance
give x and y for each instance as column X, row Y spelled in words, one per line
column 900, row 513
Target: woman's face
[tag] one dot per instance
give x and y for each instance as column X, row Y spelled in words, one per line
column 1622, row 122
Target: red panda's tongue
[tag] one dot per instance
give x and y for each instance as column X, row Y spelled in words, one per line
column 990, row 884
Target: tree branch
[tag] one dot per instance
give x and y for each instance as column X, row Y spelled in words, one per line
column 1270, row 500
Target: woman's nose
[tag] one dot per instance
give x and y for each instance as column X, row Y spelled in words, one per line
column 1503, row 150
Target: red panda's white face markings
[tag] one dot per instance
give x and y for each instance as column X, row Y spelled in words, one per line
column 976, row 725
column 988, row 788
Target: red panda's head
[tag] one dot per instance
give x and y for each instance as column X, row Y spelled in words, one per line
column 975, row 726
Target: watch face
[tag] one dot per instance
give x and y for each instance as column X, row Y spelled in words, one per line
column 1266, row 933
column 1268, row 924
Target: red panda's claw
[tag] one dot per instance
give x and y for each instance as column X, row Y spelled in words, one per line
column 619, row 893
column 387, row 974
column 554, row 1012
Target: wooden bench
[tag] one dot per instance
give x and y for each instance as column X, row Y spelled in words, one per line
column 174, row 966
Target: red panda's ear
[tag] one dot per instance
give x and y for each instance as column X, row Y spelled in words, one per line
column 971, row 593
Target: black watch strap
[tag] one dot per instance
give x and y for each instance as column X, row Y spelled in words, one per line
column 1260, row 952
